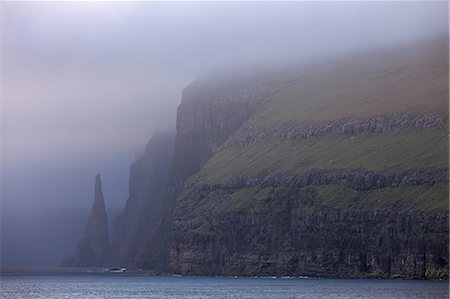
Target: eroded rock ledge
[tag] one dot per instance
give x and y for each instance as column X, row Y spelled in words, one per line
column 381, row 124
column 358, row 179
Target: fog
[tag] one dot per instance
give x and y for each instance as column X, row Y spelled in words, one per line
column 84, row 85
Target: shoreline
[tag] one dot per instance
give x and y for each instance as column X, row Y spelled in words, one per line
column 96, row 271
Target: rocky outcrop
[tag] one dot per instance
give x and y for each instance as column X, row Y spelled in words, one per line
column 284, row 225
column 359, row 179
column 292, row 231
column 381, row 124
column 147, row 190
column 92, row 249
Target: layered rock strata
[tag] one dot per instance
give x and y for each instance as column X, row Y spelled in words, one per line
column 184, row 215
column 359, row 179
column 300, row 231
column 376, row 125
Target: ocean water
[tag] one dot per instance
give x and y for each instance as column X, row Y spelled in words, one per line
column 141, row 286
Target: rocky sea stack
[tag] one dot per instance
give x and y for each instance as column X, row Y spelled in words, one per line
column 92, row 249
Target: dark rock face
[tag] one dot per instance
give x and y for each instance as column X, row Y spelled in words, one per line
column 382, row 124
column 92, row 249
column 147, row 190
column 292, row 232
column 359, row 179
column 292, row 227
column 203, row 124
column 205, row 120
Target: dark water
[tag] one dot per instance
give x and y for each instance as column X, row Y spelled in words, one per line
column 126, row 286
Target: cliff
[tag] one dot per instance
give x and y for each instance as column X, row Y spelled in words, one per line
column 202, row 126
column 341, row 172
column 147, row 190
column 338, row 171
column 92, row 248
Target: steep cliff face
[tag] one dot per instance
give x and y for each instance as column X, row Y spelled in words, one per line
column 341, row 172
column 92, row 249
column 309, row 231
column 205, row 119
column 147, row 190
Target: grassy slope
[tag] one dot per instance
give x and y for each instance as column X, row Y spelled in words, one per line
column 393, row 153
column 414, row 80
column 429, row 198
column 411, row 81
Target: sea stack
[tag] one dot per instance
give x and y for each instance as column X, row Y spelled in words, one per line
column 92, row 249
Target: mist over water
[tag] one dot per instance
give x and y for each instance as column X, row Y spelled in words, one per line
column 84, row 86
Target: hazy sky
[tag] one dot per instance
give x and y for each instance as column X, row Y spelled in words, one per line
column 84, row 85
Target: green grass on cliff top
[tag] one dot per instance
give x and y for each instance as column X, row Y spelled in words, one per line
column 391, row 152
column 424, row 198
column 414, row 80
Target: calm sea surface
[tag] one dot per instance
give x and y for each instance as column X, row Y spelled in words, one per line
column 126, row 286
